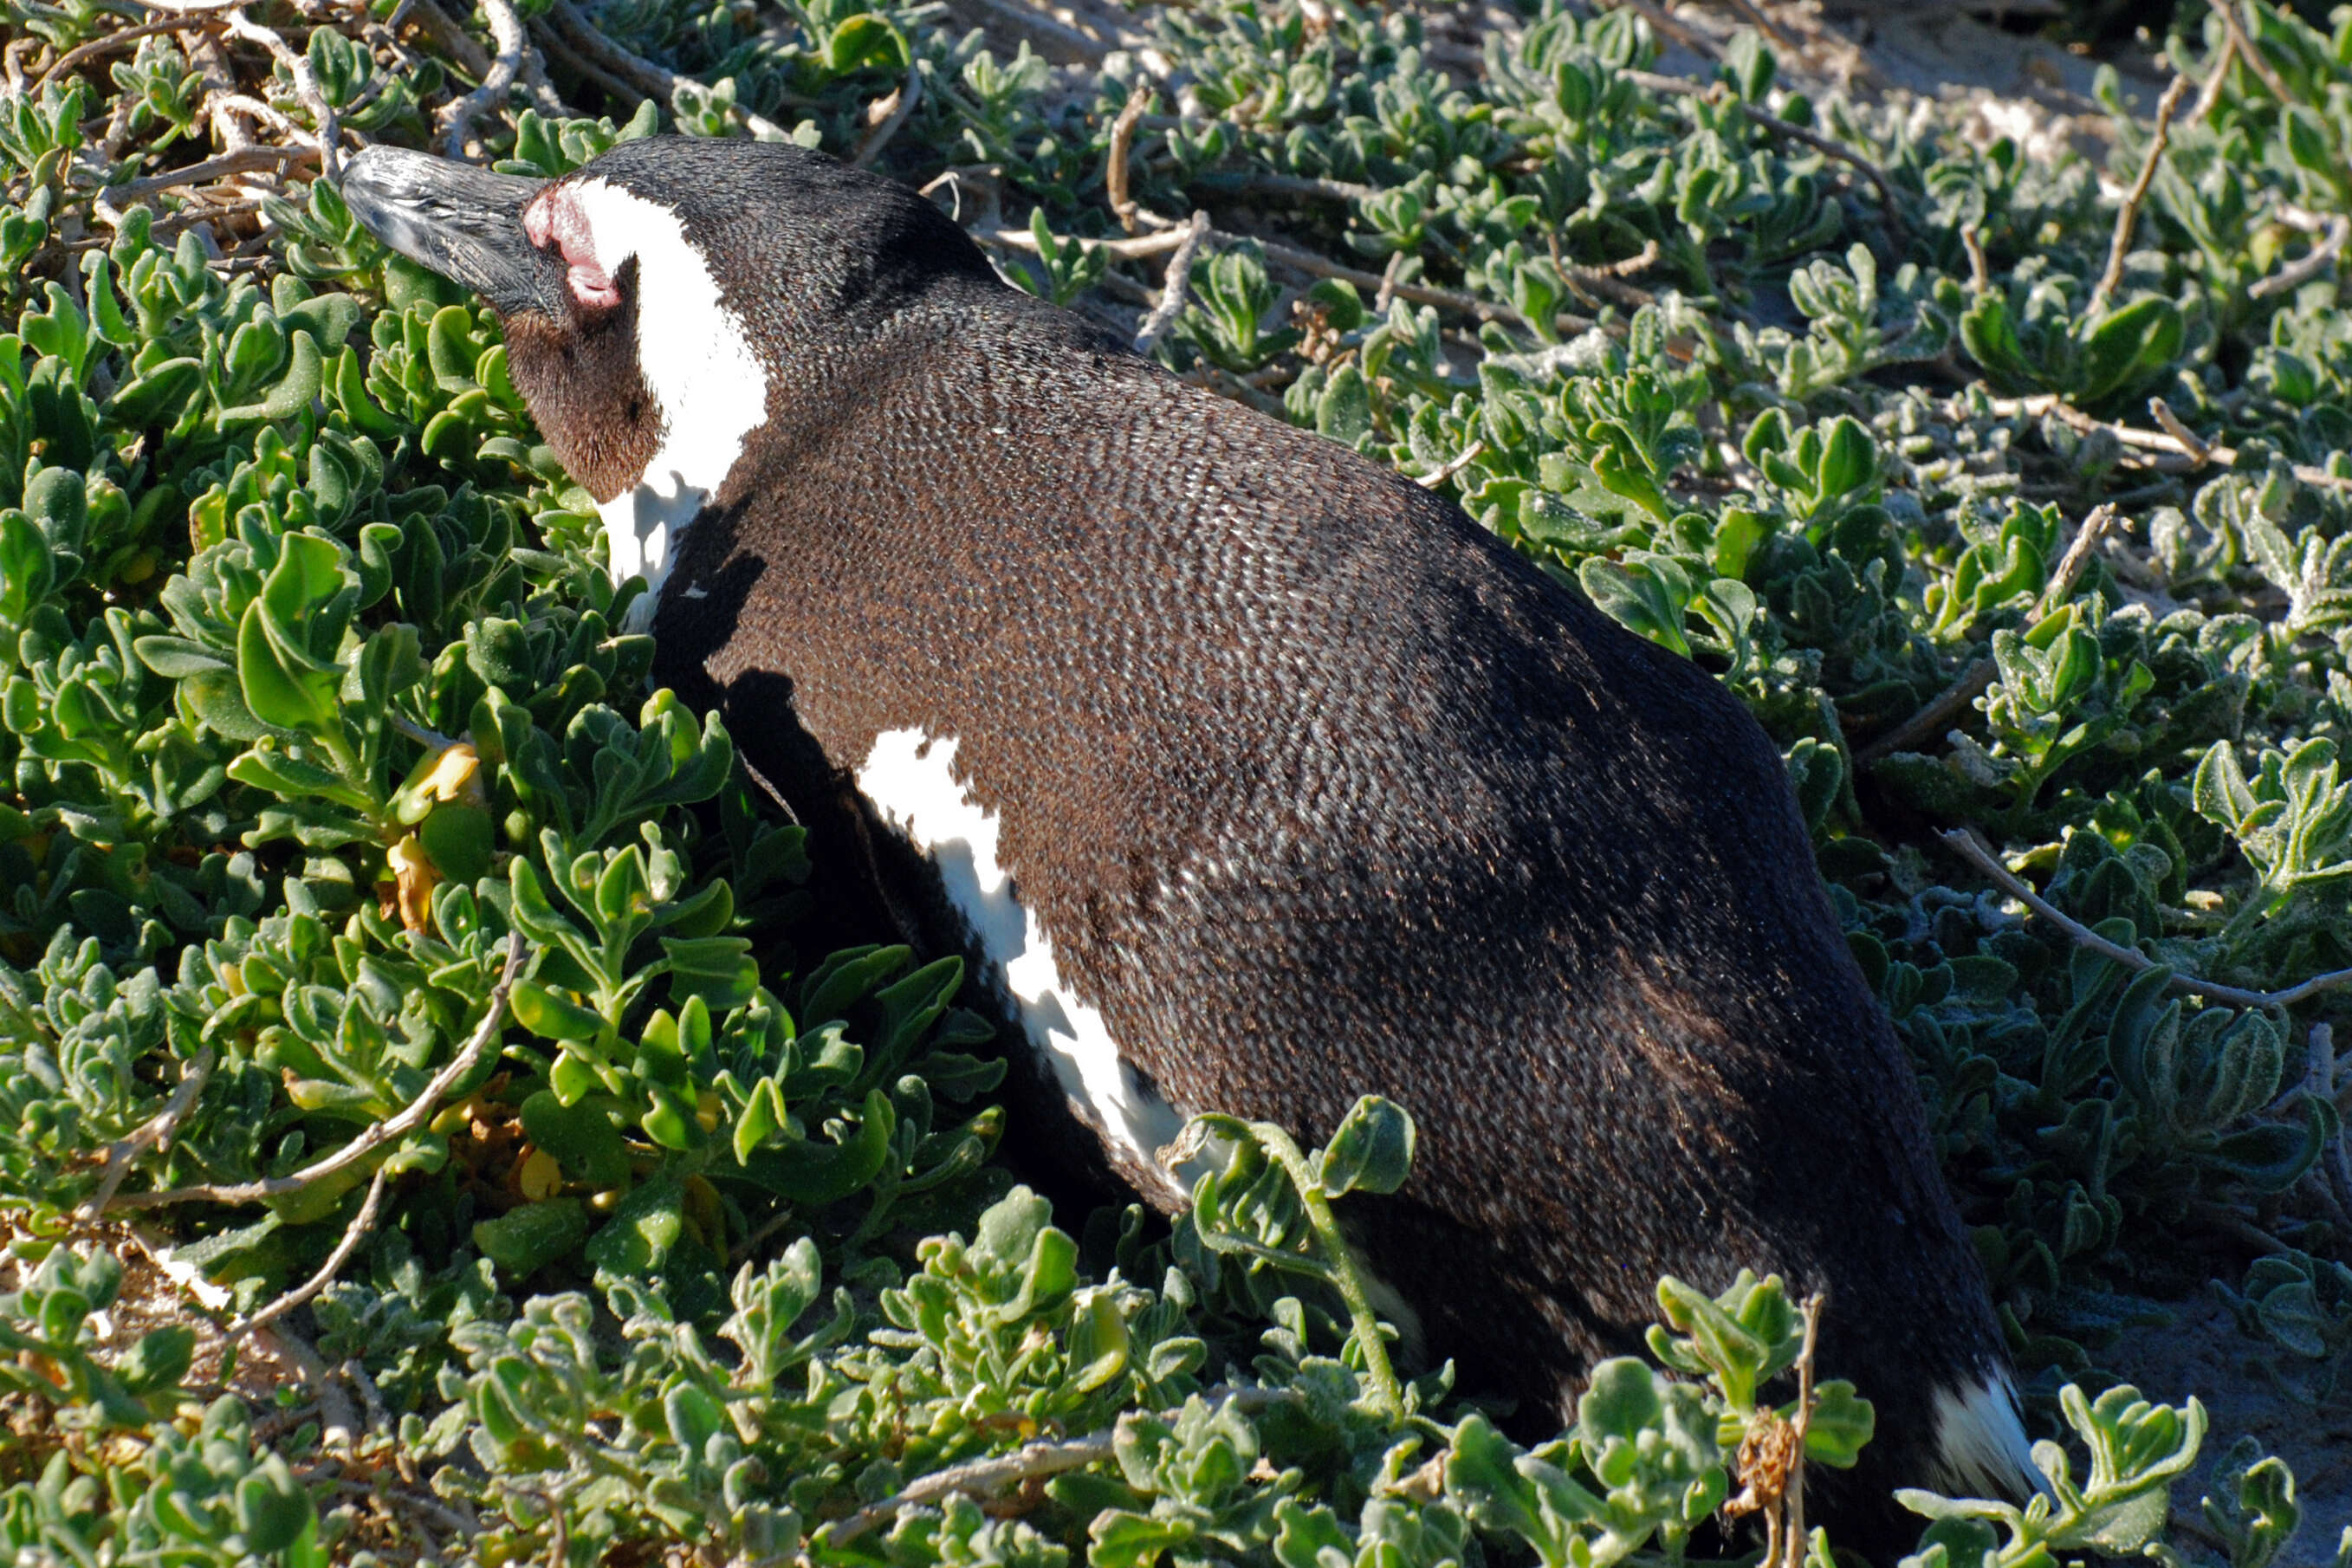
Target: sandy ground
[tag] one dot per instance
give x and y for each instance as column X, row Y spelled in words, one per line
column 2248, row 1389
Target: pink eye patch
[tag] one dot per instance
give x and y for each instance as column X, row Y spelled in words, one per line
column 554, row 216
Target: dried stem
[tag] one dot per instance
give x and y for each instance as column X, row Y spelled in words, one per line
column 245, row 160
column 415, row 1115
column 2215, row 79
column 450, row 38
column 1122, row 137
column 1889, row 210
column 1267, row 185
column 1965, row 842
column 2127, row 214
column 1980, row 268
column 1031, row 1461
column 2314, row 260
column 657, row 82
column 1171, row 289
column 1934, row 718
column 1793, row 1499
column 506, row 32
column 338, row 1423
column 902, row 104
column 112, row 41
column 361, row 1223
column 155, row 1135
column 2173, row 457
column 2199, row 452
column 329, row 135
column 1452, row 465
column 2248, row 54
column 2070, row 565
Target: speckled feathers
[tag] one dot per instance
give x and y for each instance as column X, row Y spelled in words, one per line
column 1316, row 789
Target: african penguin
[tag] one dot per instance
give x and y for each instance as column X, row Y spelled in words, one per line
column 1254, row 776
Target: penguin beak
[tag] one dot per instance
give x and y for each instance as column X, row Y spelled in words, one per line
column 463, row 221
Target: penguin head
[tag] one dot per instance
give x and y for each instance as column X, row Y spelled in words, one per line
column 664, row 301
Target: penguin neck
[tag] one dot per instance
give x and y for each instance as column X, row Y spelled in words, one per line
column 698, row 360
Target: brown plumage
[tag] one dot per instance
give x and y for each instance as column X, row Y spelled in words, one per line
column 1315, row 788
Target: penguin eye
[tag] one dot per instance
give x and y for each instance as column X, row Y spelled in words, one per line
column 555, row 220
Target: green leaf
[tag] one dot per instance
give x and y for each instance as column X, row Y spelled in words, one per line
column 526, row 1239
column 1372, row 1150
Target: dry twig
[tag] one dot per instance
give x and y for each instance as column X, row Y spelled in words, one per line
column 1793, row 1533
column 1980, row 268
column 1932, row 720
column 1965, row 842
column 361, row 1223
column 449, row 37
column 657, row 82
column 2170, row 455
column 1452, row 465
column 2199, row 450
column 112, row 41
column 1171, row 290
column 2127, row 214
column 407, row 1121
column 2296, row 274
column 1890, row 211
column 901, row 109
column 2061, row 586
column 328, row 137
column 246, row 160
column 1122, row 138
column 506, row 32
column 2246, row 51
column 155, row 1135
column 1033, row 1461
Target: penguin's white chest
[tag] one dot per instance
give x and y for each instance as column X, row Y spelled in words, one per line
column 910, row 778
column 698, row 362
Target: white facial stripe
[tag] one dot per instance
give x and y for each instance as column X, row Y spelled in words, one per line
column 697, row 363
column 1981, row 1444
column 911, row 779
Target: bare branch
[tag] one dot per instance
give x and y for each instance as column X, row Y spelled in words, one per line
column 2248, row 54
column 246, row 160
column 1452, row 465
column 329, row 135
column 902, row 104
column 112, row 41
column 2061, row 586
column 655, row 82
column 1965, row 842
column 449, row 37
column 506, row 32
column 1021, row 239
column 361, row 1223
column 2314, row 260
column 1256, row 183
column 415, row 1115
column 1932, row 720
column 1171, row 289
column 1031, row 1461
column 1889, row 213
column 1793, row 1534
column 1122, row 137
column 1980, row 269
column 339, row 1424
column 155, row 1134
column 2172, row 456
column 2127, row 214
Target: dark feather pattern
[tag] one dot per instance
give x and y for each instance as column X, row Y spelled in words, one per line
column 1318, row 790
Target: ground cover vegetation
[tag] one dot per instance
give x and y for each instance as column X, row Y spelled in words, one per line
column 450, row 1015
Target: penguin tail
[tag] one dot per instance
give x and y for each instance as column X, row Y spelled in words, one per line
column 1980, row 1447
